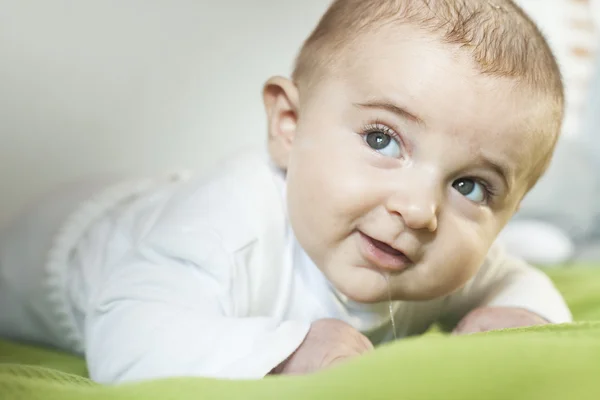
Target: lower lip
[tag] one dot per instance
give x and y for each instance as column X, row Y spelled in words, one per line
column 380, row 258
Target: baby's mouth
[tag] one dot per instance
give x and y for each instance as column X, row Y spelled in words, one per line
column 387, row 248
column 382, row 255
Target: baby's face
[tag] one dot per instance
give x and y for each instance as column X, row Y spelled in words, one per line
column 408, row 163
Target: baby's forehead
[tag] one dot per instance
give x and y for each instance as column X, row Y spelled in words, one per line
column 438, row 83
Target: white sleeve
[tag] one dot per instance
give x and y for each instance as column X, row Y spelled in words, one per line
column 169, row 319
column 506, row 281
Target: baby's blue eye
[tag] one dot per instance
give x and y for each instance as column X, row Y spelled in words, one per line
column 383, row 143
column 471, row 189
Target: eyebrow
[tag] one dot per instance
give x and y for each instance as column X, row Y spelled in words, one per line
column 393, row 108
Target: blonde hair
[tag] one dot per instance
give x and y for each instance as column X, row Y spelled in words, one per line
column 502, row 39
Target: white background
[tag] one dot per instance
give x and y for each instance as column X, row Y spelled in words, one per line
column 142, row 85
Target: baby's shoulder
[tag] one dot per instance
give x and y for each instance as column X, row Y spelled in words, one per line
column 234, row 203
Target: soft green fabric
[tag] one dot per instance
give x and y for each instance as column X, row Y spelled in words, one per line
column 552, row 362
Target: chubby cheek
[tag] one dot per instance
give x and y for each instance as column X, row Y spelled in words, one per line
column 462, row 264
column 328, row 186
column 455, row 256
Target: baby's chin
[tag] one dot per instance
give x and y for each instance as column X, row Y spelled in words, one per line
column 368, row 286
column 364, row 285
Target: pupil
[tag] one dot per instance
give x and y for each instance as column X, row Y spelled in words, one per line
column 378, row 140
column 465, row 186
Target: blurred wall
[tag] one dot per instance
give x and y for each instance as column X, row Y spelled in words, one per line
column 89, row 86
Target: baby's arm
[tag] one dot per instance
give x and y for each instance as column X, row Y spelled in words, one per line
column 505, row 293
column 156, row 318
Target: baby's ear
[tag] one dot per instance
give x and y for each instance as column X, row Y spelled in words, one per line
column 280, row 97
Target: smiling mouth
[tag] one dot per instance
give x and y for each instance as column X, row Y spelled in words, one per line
column 382, row 255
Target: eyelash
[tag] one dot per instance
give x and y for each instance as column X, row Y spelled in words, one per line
column 490, row 190
column 377, row 126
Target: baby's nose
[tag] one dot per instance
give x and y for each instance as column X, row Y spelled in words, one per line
column 418, row 208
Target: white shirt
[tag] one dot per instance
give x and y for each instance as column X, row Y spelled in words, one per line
column 203, row 277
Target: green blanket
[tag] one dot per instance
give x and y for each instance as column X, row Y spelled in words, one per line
column 553, row 362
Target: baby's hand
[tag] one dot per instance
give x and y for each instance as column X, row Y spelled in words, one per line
column 493, row 318
column 328, row 342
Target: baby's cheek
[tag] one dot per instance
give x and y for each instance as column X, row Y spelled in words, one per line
column 457, row 261
column 455, row 274
column 349, row 192
column 472, row 254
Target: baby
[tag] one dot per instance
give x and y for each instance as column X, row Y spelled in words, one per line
column 408, row 136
